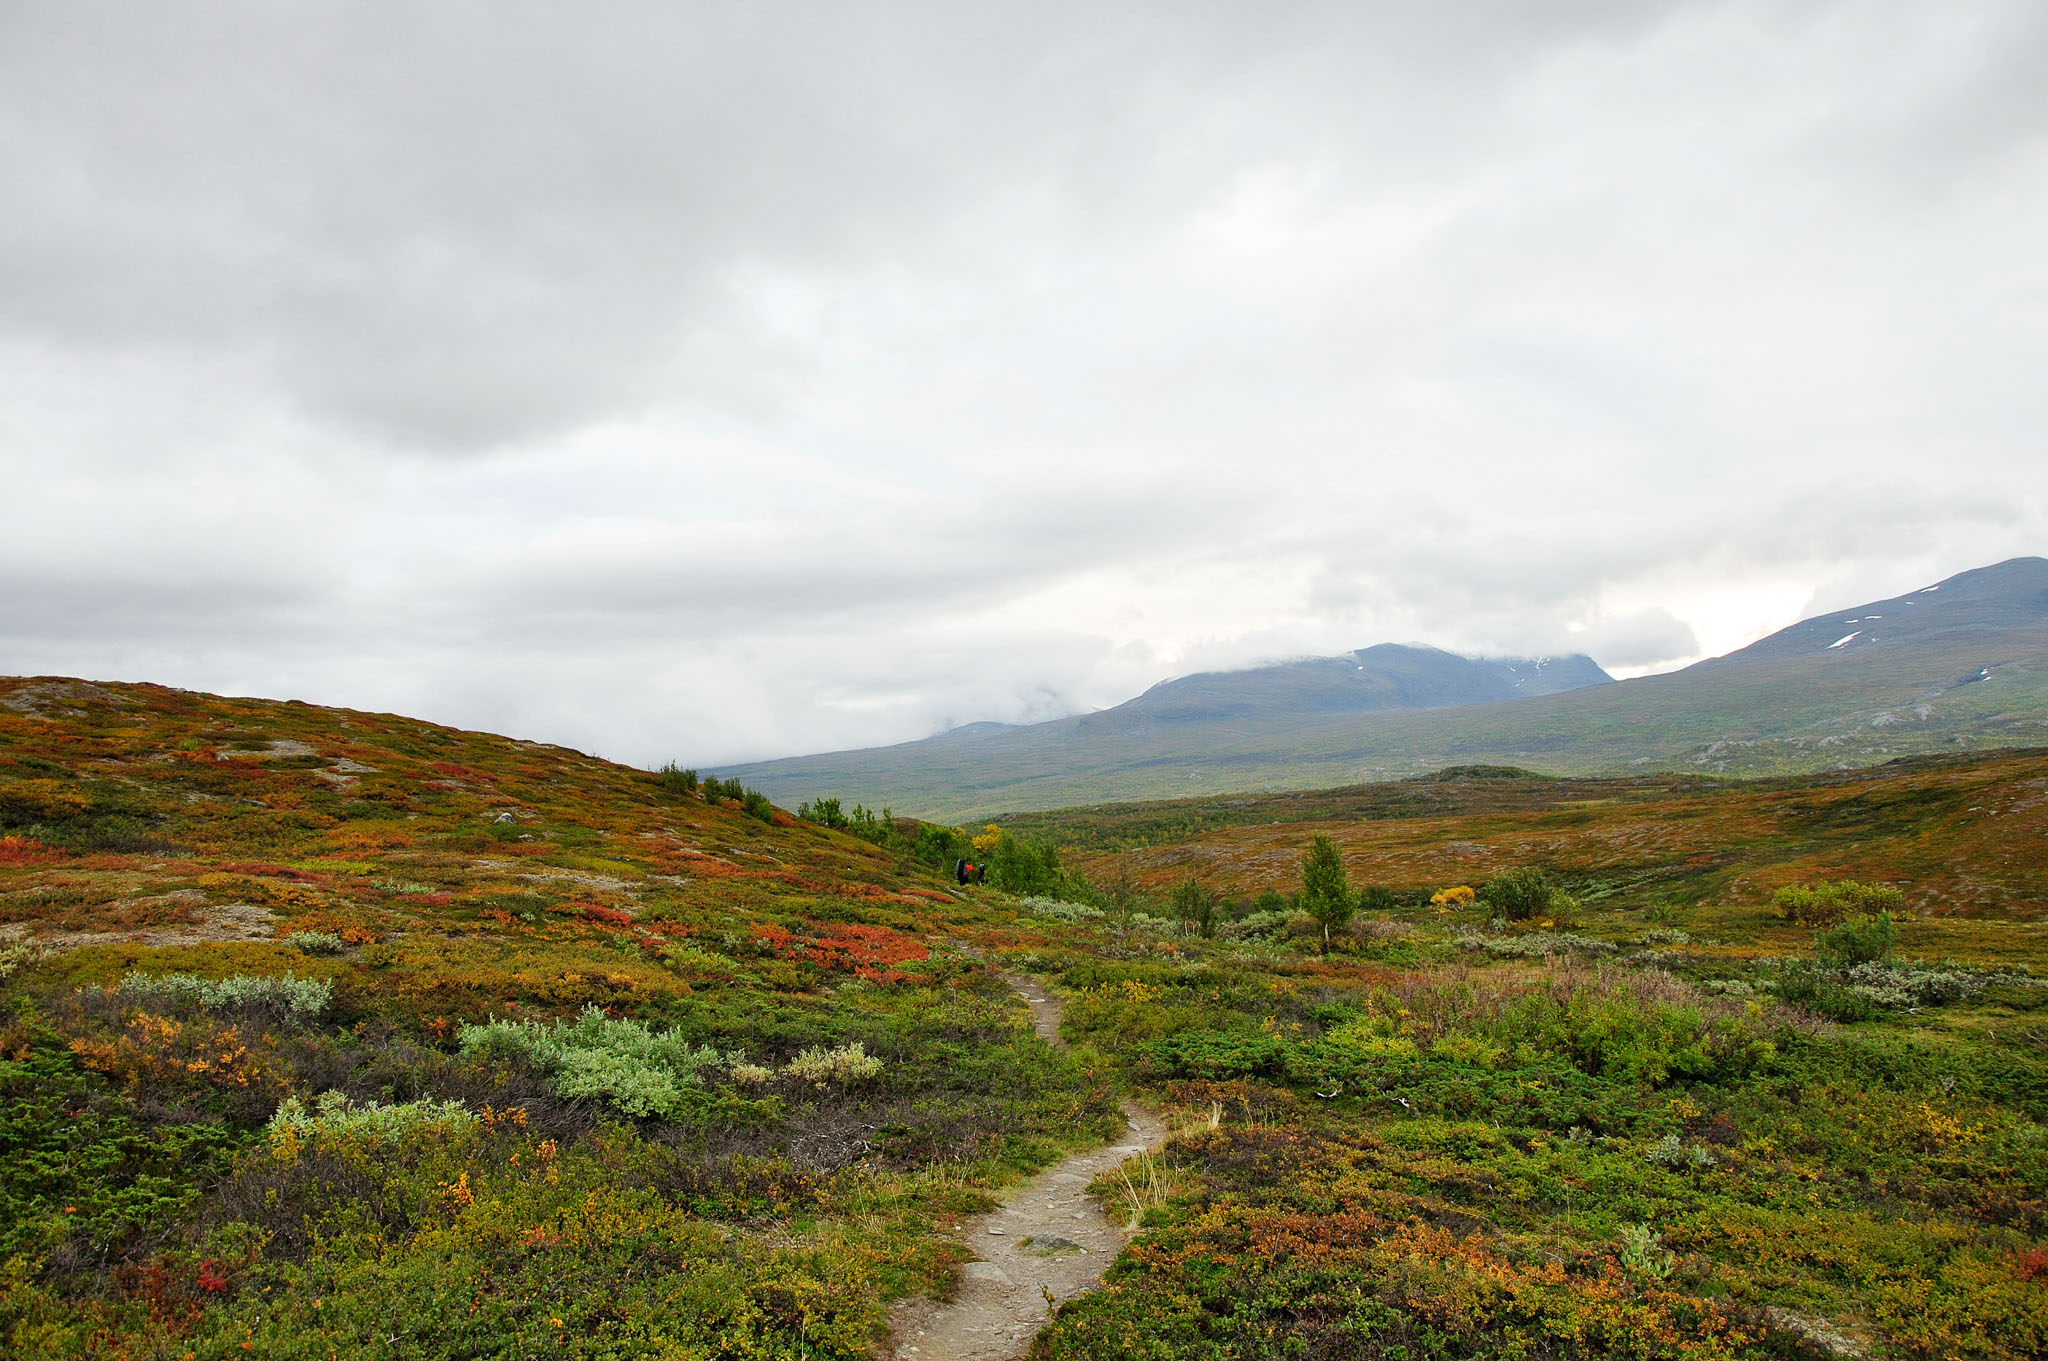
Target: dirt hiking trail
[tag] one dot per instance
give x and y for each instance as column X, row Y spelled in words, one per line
column 1049, row 1241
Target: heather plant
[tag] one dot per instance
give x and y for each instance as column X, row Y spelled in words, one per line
column 13, row 956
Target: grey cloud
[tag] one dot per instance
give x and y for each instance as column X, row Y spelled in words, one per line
column 458, row 231
column 1644, row 638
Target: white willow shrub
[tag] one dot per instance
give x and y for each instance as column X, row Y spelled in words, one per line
column 332, row 1113
column 1040, row 906
column 14, row 957
column 640, row 1071
column 1534, row 944
column 847, row 1063
column 1909, row 985
column 1254, row 926
column 299, row 996
column 315, row 942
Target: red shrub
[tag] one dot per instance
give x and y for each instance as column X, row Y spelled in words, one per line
column 21, row 850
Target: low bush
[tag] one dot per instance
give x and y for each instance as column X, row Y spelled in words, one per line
column 315, row 942
column 1862, row 940
column 1060, row 910
column 1519, row 894
column 624, row 1063
column 1258, row 925
column 1830, row 900
column 332, row 1113
column 821, row 1066
column 303, row 997
column 675, row 779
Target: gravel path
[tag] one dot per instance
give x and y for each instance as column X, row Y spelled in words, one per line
column 1051, row 1240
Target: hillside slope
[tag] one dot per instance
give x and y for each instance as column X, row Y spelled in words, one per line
column 268, row 1082
column 1961, row 665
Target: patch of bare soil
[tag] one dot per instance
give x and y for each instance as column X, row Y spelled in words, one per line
column 1051, row 1240
column 193, row 921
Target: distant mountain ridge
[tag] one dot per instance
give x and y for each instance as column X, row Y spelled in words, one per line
column 1958, row 665
column 1970, row 607
column 1387, row 676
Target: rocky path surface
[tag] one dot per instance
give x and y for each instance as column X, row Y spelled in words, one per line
column 1049, row 1241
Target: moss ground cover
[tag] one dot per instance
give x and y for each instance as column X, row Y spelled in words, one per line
column 337, row 1034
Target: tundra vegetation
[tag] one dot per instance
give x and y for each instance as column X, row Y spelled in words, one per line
column 339, row 1034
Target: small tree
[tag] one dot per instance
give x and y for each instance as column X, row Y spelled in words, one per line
column 1195, row 905
column 1325, row 890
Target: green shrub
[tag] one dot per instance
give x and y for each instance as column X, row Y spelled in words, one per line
column 1519, row 894
column 1808, row 988
column 1864, row 940
column 717, row 790
column 824, row 812
column 1377, row 898
column 1829, row 901
column 937, row 845
column 303, row 997
column 756, row 806
column 1030, row 867
column 675, row 779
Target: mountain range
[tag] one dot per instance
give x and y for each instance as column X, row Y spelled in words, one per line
column 1958, row 665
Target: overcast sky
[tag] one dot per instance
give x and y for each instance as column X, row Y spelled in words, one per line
column 723, row 381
